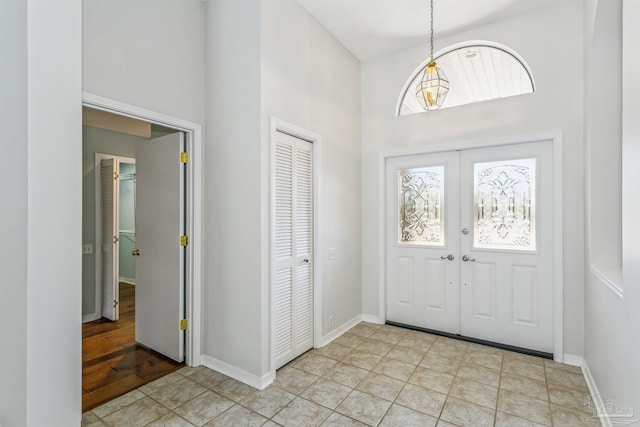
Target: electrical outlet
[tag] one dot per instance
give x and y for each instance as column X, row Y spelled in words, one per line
column 333, row 253
column 87, row 249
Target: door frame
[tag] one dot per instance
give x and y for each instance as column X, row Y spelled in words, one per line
column 555, row 137
column 193, row 280
column 98, row 227
column 278, row 125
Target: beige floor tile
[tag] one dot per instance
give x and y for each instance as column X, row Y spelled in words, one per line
column 156, row 385
column 432, row 380
column 376, row 347
column 393, row 328
column 406, row 355
column 440, row 363
column 89, row 419
column 523, row 368
column 524, row 407
column 207, row 377
column 388, row 336
column 348, row 375
column 364, row 407
column 491, row 361
column 395, row 369
column 485, row 349
column 556, row 365
column 170, row 420
column 327, row 393
column 139, row 413
column 399, row 416
column 364, row 330
column 421, row 399
column 187, row 371
column 349, row 340
column 507, row 420
column 178, row 393
column 412, row 342
column 339, row 420
column 315, row 364
column 271, row 424
column 381, row 386
column 233, row 389
column 474, row 392
column 523, row 385
column 269, row 401
column 301, row 412
column 563, row 378
column 466, row 414
column 334, row 351
column 445, row 349
column 362, row 359
column 442, row 423
column 237, row 416
column 564, row 416
column 204, row 408
column 479, row 374
column 118, row 403
column 575, row 398
column 510, row 355
column 294, row 380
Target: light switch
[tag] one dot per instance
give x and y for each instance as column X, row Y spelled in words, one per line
column 87, row 249
column 333, row 253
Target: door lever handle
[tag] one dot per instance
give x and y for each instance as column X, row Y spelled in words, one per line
column 466, row 258
column 450, row 257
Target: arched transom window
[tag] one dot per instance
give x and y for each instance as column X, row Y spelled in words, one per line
column 477, row 71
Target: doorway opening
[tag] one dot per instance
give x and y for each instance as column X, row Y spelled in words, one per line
column 132, row 342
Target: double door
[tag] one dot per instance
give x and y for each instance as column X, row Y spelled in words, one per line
column 469, row 243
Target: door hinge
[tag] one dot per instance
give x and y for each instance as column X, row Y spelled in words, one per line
column 184, row 324
column 115, row 303
column 184, row 157
column 116, row 175
column 184, row 240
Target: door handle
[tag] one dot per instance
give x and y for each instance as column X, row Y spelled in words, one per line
column 450, row 257
column 466, row 258
column 135, row 252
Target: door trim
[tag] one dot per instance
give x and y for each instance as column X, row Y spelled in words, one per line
column 278, row 125
column 555, row 137
column 193, row 133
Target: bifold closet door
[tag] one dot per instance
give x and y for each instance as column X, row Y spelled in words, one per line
column 292, row 295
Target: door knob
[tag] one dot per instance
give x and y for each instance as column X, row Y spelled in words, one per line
column 135, row 252
column 466, row 258
column 306, row 261
column 450, row 257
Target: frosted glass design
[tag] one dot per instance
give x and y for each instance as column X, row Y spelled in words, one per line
column 421, row 206
column 505, row 205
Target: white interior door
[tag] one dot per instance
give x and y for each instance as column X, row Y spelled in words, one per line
column 507, row 282
column 292, row 295
column 109, row 172
column 160, row 262
column 490, row 210
column 422, row 241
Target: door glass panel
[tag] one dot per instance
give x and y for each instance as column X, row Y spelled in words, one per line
column 504, row 205
column 421, row 205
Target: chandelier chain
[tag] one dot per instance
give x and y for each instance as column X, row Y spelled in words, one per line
column 431, row 41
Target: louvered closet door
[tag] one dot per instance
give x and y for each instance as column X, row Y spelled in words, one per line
column 292, row 248
column 109, row 183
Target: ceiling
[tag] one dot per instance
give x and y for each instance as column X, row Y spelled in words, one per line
column 371, row 28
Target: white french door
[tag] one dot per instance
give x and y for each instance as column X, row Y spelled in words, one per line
column 292, row 246
column 469, row 243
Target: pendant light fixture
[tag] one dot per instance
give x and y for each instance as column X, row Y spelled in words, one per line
column 434, row 86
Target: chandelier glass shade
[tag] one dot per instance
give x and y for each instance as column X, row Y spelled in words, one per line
column 434, row 86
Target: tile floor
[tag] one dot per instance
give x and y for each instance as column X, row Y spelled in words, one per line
column 373, row 375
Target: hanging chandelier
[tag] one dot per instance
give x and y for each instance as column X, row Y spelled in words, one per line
column 434, row 86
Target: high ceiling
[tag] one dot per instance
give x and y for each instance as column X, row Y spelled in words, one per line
column 370, row 28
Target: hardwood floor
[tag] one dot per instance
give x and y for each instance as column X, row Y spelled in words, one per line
column 112, row 362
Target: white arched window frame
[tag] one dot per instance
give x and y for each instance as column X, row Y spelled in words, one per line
column 502, row 86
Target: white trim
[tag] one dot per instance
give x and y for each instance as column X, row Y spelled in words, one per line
column 193, row 132
column 573, row 360
column 90, row 317
column 596, row 396
column 369, row 318
column 339, row 331
column 316, row 141
column 556, row 139
column 238, row 374
column 613, row 286
column 127, row 280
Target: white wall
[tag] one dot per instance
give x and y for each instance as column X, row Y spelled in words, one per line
column 612, row 349
column 13, row 213
column 555, row 57
column 41, row 122
column 146, row 53
column 311, row 80
column 94, row 141
column 233, row 316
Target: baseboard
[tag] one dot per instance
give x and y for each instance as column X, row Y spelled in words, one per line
column 596, row 396
column 570, row 359
column 90, row 317
column 237, row 373
column 370, row 318
column 340, row 330
column 127, row 280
